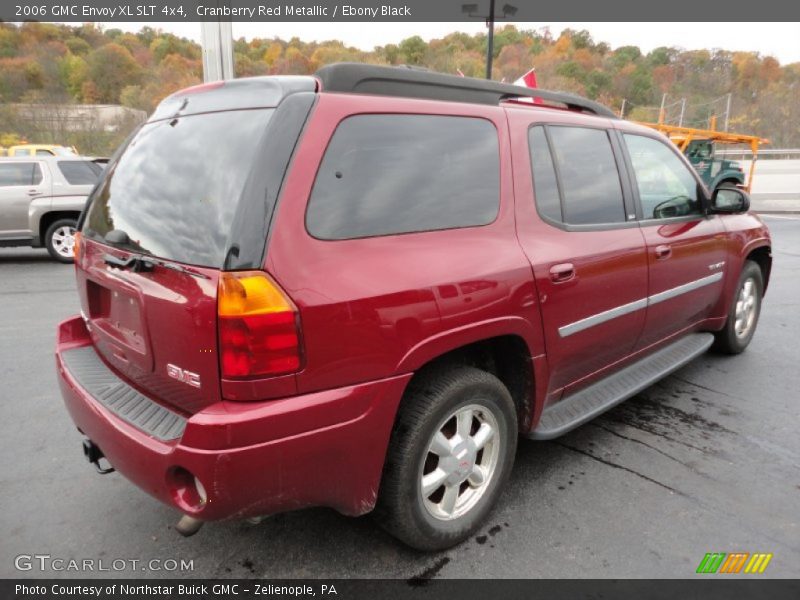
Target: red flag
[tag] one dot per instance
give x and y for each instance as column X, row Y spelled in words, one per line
column 529, row 80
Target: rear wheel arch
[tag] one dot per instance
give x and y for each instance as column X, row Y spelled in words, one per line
column 507, row 357
column 51, row 217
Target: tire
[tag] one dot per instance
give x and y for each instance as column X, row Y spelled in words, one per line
column 744, row 312
column 728, row 184
column 431, row 409
column 59, row 240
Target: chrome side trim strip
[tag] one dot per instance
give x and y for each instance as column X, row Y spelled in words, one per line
column 601, row 317
column 682, row 289
column 625, row 309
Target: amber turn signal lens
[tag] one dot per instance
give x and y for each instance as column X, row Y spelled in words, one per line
column 76, row 246
column 259, row 331
column 250, row 293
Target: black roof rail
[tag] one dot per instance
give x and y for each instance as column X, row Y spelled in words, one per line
column 412, row 82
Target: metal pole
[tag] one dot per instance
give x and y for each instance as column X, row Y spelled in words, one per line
column 622, row 110
column 661, row 110
column 728, row 112
column 490, row 45
column 217, row 44
column 683, row 112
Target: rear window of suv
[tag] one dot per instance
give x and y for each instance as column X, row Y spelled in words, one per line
column 392, row 174
column 79, row 172
column 175, row 189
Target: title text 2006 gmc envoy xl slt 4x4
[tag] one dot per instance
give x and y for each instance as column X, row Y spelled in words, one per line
column 377, row 281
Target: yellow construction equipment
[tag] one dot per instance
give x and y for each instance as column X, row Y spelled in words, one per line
column 713, row 173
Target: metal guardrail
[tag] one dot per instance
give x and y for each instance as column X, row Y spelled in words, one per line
column 762, row 153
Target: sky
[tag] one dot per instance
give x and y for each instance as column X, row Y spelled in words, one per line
column 781, row 40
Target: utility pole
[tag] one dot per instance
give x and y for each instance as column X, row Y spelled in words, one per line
column 661, row 115
column 683, row 112
column 622, row 110
column 728, row 111
column 217, row 43
column 490, row 44
column 471, row 10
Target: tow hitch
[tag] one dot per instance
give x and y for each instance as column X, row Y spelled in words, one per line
column 93, row 454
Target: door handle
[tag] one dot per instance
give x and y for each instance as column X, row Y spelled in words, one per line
column 562, row 272
column 34, row 193
column 663, row 252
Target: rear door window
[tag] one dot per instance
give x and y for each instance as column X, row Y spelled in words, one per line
column 393, row 174
column 545, row 183
column 79, row 172
column 175, row 189
column 587, row 169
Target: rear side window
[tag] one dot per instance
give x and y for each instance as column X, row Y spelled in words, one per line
column 19, row 173
column 392, row 174
column 590, row 184
column 176, row 187
column 79, row 172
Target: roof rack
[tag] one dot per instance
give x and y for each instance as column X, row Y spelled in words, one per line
column 408, row 82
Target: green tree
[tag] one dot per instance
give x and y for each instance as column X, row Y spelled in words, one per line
column 625, row 55
column 111, row 68
column 73, row 70
column 413, row 50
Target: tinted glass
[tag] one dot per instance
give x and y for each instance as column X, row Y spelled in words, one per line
column 44, row 153
column 18, row 173
column 545, row 187
column 589, row 177
column 389, row 174
column 176, row 187
column 666, row 186
column 36, row 177
column 79, row 172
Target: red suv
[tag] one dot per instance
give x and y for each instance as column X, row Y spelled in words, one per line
column 356, row 290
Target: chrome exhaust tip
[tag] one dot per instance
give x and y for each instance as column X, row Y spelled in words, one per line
column 188, row 526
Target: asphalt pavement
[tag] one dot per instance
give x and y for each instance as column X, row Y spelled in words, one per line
column 707, row 460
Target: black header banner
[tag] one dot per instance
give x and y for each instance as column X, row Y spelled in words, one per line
column 711, row 11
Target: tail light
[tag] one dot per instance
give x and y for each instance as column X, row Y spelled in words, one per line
column 259, row 328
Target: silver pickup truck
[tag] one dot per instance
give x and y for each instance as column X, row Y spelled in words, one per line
column 41, row 198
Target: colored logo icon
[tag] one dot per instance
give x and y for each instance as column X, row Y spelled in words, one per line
column 735, row 562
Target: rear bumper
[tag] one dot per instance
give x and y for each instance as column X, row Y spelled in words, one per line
column 255, row 458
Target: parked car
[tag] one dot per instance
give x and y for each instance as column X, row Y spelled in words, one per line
column 40, row 200
column 408, row 272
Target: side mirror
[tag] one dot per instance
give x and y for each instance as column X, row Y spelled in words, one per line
column 730, row 200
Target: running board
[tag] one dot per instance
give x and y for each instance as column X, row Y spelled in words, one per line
column 586, row 404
